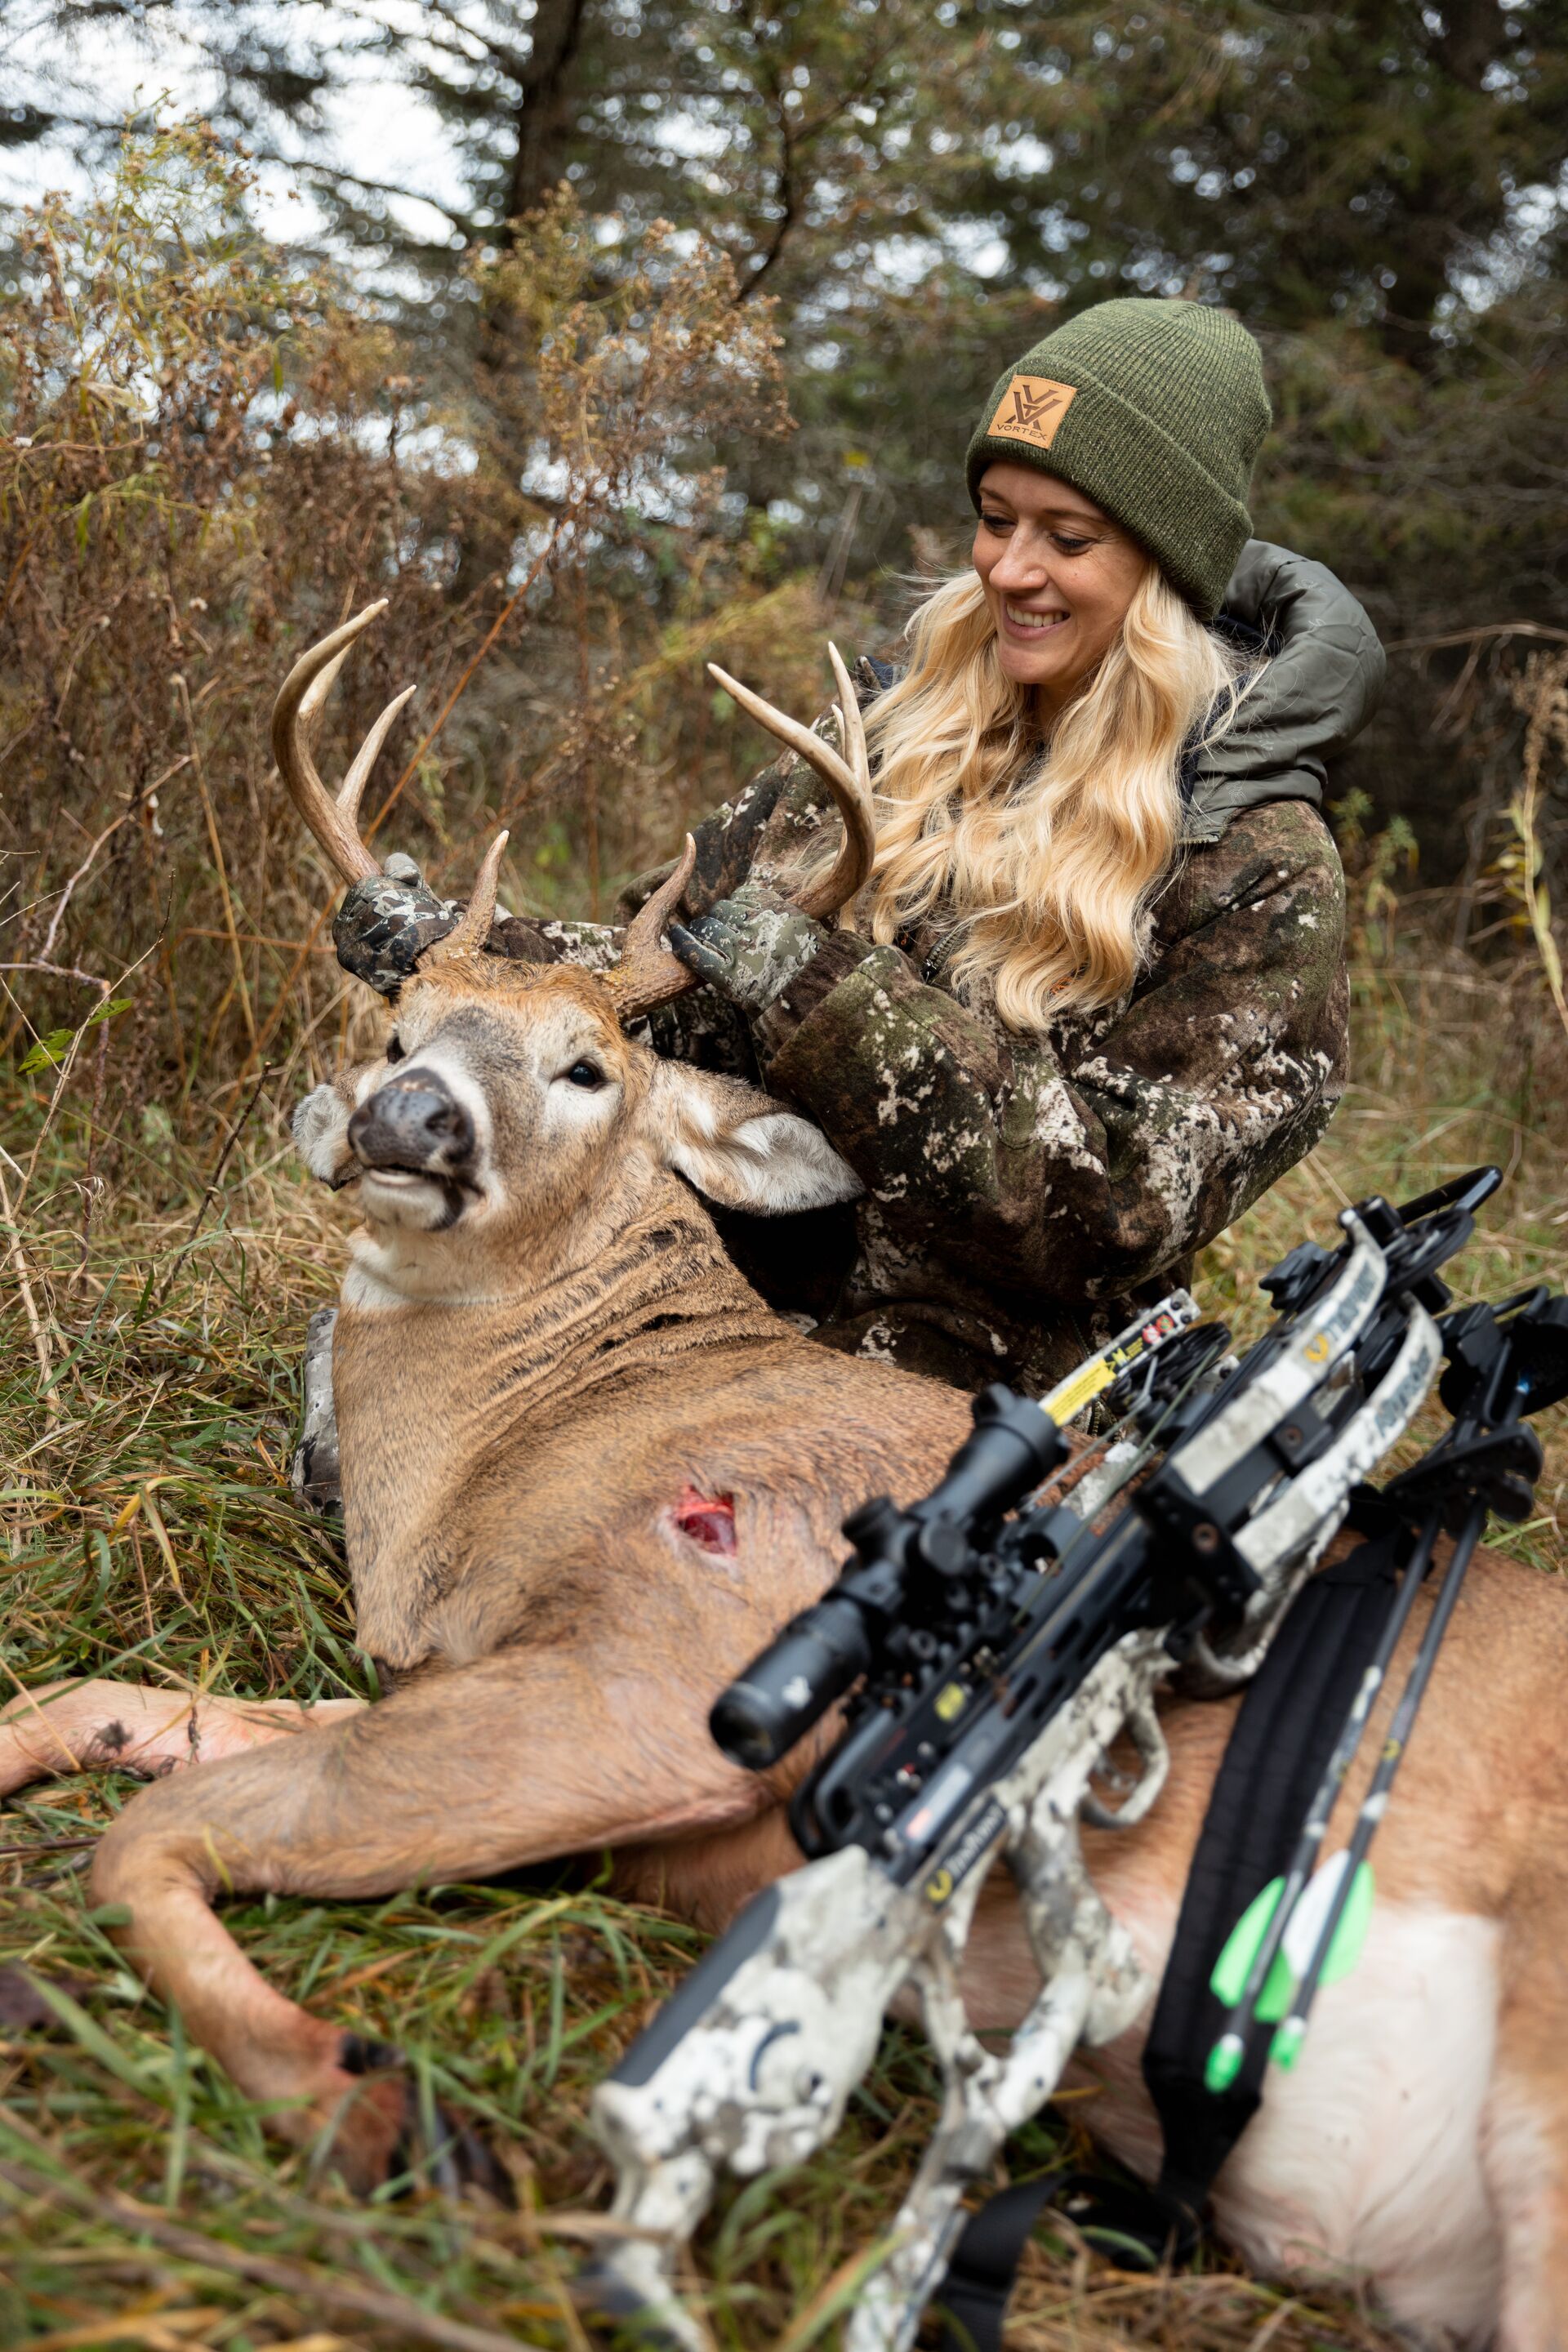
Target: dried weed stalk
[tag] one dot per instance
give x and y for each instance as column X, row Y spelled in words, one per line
column 1540, row 692
column 209, row 453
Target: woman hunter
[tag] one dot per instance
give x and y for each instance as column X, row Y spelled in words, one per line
column 1094, row 1001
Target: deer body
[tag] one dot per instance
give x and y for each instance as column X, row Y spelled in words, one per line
column 587, row 1474
column 488, row 1518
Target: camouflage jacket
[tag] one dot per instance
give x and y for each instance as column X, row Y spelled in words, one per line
column 1025, row 1194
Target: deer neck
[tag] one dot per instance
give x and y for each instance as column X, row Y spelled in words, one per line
column 433, row 1395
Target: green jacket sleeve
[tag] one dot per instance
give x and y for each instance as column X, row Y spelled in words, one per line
column 1080, row 1165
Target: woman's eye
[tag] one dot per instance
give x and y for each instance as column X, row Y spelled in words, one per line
column 1071, row 546
column 585, row 1074
column 997, row 523
column 394, row 1050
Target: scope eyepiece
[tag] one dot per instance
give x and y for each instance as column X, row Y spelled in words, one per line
column 1014, row 1445
column 793, row 1682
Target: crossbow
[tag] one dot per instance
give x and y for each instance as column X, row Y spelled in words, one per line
column 988, row 1647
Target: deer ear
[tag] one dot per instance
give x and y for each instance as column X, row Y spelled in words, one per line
column 744, row 1150
column 320, row 1123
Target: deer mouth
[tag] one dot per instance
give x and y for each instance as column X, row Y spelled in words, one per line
column 402, row 1179
column 418, row 1197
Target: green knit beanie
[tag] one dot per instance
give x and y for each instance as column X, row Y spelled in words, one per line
column 1155, row 410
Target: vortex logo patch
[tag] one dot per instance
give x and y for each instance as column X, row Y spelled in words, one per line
column 1031, row 409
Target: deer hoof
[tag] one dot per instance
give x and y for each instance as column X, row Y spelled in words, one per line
column 382, row 2131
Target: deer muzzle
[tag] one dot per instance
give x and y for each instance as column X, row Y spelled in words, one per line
column 414, row 1126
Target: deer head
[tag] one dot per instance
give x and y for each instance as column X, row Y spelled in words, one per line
column 510, row 1123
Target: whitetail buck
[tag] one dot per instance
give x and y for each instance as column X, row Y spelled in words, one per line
column 587, row 1473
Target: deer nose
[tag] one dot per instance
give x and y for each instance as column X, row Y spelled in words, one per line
column 415, row 1121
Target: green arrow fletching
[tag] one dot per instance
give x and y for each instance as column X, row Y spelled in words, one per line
column 1233, row 1966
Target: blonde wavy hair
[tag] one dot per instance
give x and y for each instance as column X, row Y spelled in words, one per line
column 1044, row 865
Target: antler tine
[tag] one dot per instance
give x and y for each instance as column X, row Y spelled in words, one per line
column 850, row 786
column 296, row 715
column 646, row 974
column 851, row 724
column 313, row 699
column 473, row 928
column 365, row 758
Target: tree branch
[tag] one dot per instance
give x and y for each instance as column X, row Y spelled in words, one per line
column 793, row 139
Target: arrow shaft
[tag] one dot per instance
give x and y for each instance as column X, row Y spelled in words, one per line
column 1304, row 1860
column 1376, row 1799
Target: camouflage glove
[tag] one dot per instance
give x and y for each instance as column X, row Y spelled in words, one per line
column 748, row 947
column 386, row 922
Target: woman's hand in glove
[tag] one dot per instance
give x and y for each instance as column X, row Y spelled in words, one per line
column 386, row 922
column 748, row 947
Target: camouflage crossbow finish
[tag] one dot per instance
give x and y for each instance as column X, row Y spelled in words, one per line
column 994, row 1652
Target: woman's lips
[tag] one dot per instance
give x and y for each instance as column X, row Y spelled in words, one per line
column 1027, row 628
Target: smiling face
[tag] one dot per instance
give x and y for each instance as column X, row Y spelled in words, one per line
column 1059, row 577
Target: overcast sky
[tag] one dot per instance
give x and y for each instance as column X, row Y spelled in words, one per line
column 112, row 67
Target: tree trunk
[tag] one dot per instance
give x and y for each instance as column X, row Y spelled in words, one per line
column 543, row 120
column 543, row 112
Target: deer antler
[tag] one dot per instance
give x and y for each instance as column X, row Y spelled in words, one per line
column 474, row 925
column 296, row 717
column 649, row 975
column 646, row 974
column 850, row 782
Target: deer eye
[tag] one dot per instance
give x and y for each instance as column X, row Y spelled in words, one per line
column 393, row 1051
column 586, row 1074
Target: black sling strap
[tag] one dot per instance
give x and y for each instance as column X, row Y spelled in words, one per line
column 1277, row 1752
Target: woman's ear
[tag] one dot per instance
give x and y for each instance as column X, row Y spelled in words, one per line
column 741, row 1148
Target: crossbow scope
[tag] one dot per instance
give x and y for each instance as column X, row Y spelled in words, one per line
column 901, row 1557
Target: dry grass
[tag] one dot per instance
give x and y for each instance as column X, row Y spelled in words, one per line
column 210, row 456
column 151, row 1534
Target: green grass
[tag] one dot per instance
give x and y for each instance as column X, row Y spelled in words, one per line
column 150, row 1533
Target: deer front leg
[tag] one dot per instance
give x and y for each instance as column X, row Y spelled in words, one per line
column 511, row 1761
column 103, row 1725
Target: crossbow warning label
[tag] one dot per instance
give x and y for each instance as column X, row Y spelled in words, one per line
column 1081, row 1387
column 973, row 1846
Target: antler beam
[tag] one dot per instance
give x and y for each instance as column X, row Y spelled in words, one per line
column 848, row 781
column 297, row 716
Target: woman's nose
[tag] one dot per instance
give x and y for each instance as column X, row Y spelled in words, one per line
column 1020, row 566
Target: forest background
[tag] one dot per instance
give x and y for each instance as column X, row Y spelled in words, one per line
column 682, row 363
column 604, row 338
